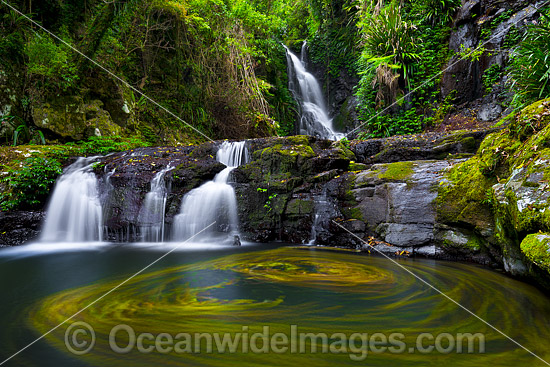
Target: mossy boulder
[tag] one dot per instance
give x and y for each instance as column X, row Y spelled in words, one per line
column 462, row 196
column 536, row 247
column 98, row 120
column 398, row 171
column 531, row 120
column 276, row 189
column 70, row 118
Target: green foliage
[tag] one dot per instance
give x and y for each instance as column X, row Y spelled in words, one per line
column 491, row 76
column 389, row 35
column 436, row 11
column 471, row 54
column 22, row 132
column 493, row 24
column 12, row 40
column 333, row 35
column 104, row 145
column 530, row 66
column 268, row 203
column 29, row 184
column 404, row 51
column 49, row 64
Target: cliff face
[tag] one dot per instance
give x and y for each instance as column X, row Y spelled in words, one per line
column 477, row 83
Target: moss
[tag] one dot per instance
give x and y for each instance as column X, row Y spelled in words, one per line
column 532, row 119
column 474, row 244
column 533, row 217
column 462, row 195
column 298, row 207
column 399, row 171
column 298, row 140
column 354, row 167
column 343, row 150
column 293, row 151
column 495, row 152
column 348, row 204
column 536, row 247
column 469, row 144
column 352, row 213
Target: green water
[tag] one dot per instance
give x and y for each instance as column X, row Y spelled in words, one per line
column 260, row 292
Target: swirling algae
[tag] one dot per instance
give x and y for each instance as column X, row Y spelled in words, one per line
column 321, row 292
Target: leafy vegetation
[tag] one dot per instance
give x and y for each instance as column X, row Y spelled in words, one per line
column 27, row 173
column 530, row 66
column 403, row 51
column 29, row 184
column 220, row 65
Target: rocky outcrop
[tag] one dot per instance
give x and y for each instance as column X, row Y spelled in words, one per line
column 17, row 228
column 126, row 179
column 502, row 193
column 428, row 146
column 72, row 119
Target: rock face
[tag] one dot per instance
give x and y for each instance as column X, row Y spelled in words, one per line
column 494, row 27
column 396, row 201
column 19, row 227
column 126, row 179
column 430, row 146
column 70, row 118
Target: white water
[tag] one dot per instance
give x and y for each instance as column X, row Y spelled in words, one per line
column 324, row 212
column 152, row 212
column 214, row 201
column 314, row 119
column 74, row 213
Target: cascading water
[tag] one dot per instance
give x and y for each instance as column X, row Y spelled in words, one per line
column 325, row 210
column 74, row 213
column 213, row 201
column 151, row 214
column 306, row 90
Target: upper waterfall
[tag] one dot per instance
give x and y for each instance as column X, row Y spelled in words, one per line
column 314, row 119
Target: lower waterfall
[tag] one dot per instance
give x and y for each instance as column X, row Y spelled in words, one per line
column 214, row 201
column 74, row 213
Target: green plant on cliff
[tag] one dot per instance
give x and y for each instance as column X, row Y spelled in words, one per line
column 491, row 76
column 437, row 11
column 333, row 35
column 29, row 184
column 22, row 132
column 49, row 64
column 530, row 67
column 403, row 51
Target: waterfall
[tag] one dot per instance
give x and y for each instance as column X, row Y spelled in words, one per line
column 151, row 214
column 74, row 213
column 214, row 200
column 314, row 119
column 325, row 210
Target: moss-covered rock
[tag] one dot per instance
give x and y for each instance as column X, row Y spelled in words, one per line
column 536, row 247
column 98, row 121
column 463, row 195
column 398, row 171
column 531, row 120
column 70, row 118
